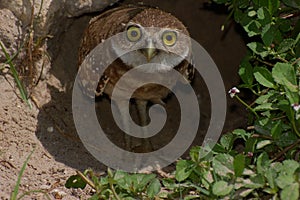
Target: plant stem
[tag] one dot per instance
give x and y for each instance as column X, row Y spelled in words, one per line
column 247, row 106
column 114, row 191
column 297, row 60
column 87, row 180
column 286, row 150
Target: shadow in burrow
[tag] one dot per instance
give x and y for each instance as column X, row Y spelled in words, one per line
column 204, row 26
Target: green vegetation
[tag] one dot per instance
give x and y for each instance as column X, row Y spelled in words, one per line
column 15, row 193
column 15, row 73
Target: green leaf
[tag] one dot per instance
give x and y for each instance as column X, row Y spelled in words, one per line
column 169, row 183
column 144, row 179
column 263, row 143
column 253, row 28
column 195, row 153
column 267, row 98
column 290, row 192
column 183, row 169
column 290, row 166
column 287, row 138
column 271, row 174
column 276, row 130
column 239, row 164
column 256, row 181
column 258, row 49
column 268, row 34
column 264, row 77
column 75, row 181
column 241, row 133
column 153, row 188
column 292, row 3
column 285, row 45
column 284, row 74
column 265, row 106
column 227, row 141
column 284, row 180
column 238, row 15
column 263, row 163
column 223, row 164
column 246, row 72
column 243, row 3
column 250, row 145
column 118, row 175
column 251, row 13
column 284, row 25
column 264, row 16
column 271, row 5
column 221, row 188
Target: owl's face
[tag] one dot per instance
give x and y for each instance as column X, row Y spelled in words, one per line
column 165, row 46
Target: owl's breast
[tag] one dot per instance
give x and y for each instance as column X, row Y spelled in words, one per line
column 143, row 84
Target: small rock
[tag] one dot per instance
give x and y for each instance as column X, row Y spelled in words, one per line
column 50, row 129
column 58, row 194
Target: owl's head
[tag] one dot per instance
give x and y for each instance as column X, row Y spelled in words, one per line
column 153, row 36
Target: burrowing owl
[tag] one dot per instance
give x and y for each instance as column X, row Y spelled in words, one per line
column 153, row 47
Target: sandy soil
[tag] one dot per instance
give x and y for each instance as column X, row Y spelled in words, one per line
column 49, row 128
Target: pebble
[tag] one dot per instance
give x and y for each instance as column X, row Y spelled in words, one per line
column 50, row 129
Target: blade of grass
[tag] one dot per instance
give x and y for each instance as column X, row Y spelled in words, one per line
column 16, row 189
column 15, row 75
column 17, row 53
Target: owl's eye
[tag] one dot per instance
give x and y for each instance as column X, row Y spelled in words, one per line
column 134, row 33
column 169, row 38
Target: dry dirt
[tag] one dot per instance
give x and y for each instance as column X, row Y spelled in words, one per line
column 49, row 128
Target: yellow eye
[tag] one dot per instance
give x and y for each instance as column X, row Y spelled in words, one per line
column 134, row 33
column 169, row 38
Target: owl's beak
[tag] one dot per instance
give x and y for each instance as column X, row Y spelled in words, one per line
column 150, row 51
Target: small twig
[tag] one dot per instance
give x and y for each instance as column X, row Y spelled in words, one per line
column 297, row 60
column 40, row 9
column 286, row 150
column 86, row 179
column 262, row 136
column 277, row 118
column 114, row 191
column 290, row 15
column 30, row 42
column 265, row 62
column 281, row 59
column 164, row 174
column 4, row 162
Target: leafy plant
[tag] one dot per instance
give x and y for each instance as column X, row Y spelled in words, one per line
column 117, row 185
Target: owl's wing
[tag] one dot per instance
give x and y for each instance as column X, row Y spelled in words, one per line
column 187, row 70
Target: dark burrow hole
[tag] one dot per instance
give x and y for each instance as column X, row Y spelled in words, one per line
column 204, row 23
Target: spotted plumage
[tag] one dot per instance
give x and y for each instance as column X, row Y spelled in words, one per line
column 159, row 46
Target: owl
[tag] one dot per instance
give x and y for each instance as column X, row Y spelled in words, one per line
column 143, row 45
